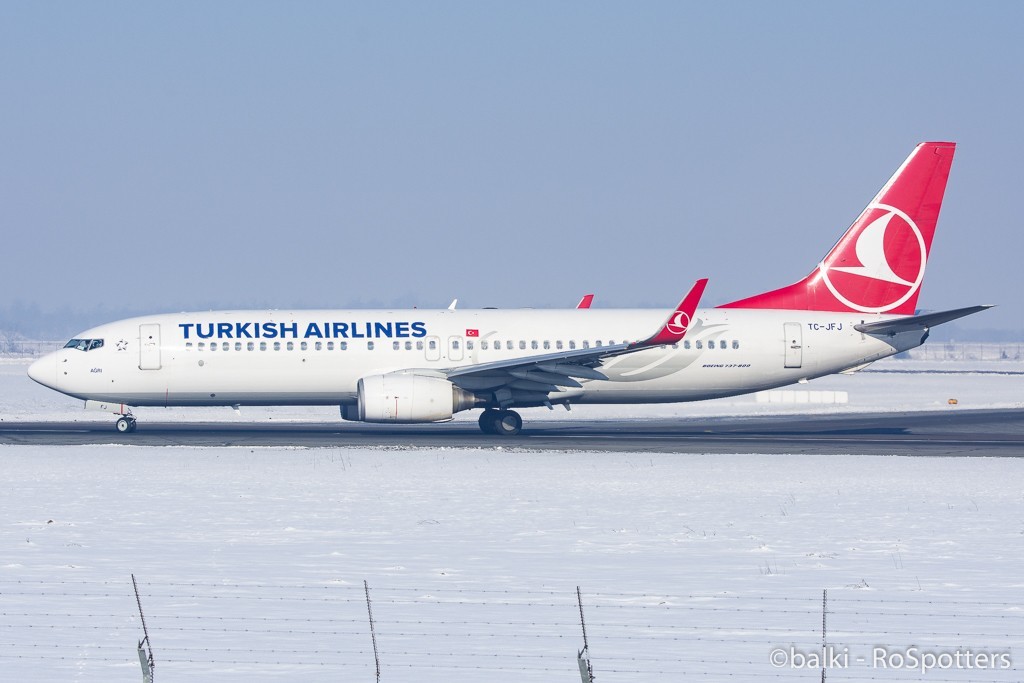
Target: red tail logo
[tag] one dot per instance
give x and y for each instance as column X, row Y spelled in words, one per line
column 679, row 323
column 891, row 253
column 878, row 265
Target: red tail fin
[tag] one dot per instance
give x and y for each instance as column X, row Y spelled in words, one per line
column 878, row 265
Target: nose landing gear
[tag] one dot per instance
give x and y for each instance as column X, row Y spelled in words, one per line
column 125, row 421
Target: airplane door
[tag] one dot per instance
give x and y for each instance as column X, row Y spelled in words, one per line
column 794, row 345
column 455, row 348
column 433, row 348
column 149, row 347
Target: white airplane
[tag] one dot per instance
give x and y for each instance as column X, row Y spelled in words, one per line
column 413, row 366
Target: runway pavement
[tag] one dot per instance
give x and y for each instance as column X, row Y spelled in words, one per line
column 936, row 433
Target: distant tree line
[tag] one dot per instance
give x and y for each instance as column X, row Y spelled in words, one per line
column 22, row 321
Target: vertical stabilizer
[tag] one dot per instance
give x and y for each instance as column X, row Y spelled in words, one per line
column 878, row 265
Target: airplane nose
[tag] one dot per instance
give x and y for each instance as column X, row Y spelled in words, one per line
column 44, row 370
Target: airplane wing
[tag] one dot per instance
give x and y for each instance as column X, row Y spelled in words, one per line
column 916, row 322
column 546, row 373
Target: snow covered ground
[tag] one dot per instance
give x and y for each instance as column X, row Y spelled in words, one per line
column 251, row 561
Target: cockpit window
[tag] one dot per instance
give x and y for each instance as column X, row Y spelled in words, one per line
column 84, row 344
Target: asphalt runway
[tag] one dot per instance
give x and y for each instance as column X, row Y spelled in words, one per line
column 946, row 433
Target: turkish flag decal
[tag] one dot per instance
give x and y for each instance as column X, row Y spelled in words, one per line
column 472, row 333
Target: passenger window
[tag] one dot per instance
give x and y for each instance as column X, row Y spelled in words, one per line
column 483, row 345
column 572, row 344
column 547, row 344
column 277, row 346
column 408, row 346
column 455, row 343
column 533, row 345
column 522, row 345
column 699, row 345
column 343, row 346
column 419, row 346
column 469, row 345
column 396, row 346
column 558, row 344
column 303, row 346
column 291, row 346
column 586, row 343
column 735, row 343
column 433, row 345
column 249, row 346
column 369, row 346
column 317, row 346
column 213, row 346
column 686, row 344
column 263, row 346
column 188, row 346
column 598, row 342
column 238, row 346
column 202, row 346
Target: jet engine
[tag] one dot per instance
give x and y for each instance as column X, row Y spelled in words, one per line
column 399, row 397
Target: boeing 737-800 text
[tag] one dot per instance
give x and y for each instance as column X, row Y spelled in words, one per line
column 408, row 366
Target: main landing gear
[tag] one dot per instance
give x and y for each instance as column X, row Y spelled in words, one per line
column 125, row 424
column 500, row 422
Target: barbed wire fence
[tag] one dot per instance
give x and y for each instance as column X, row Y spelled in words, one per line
column 15, row 347
column 260, row 631
column 967, row 351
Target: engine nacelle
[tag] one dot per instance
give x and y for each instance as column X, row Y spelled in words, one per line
column 400, row 397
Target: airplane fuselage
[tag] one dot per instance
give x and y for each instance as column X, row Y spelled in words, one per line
column 318, row 357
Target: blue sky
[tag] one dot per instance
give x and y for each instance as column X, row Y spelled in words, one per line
column 179, row 156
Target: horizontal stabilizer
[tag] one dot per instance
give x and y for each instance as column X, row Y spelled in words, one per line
column 916, row 322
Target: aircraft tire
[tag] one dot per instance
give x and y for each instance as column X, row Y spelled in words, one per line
column 507, row 423
column 125, row 425
column 486, row 421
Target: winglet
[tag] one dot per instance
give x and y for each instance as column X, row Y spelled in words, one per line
column 585, row 301
column 675, row 326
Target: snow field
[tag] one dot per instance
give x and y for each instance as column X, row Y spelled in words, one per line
column 251, row 561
